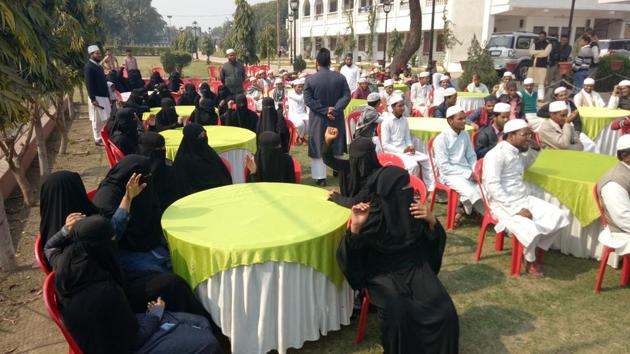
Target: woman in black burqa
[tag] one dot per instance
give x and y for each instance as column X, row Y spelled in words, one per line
column 124, row 131
column 394, row 249
column 273, row 120
column 154, row 81
column 153, row 146
column 205, row 113
column 189, row 96
column 95, row 310
column 240, row 116
column 160, row 92
column 197, row 166
column 175, row 81
column 167, row 117
column 270, row 164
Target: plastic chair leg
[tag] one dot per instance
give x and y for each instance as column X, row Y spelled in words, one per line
column 365, row 304
column 433, row 196
column 453, row 199
column 517, row 256
column 540, row 254
column 602, row 269
column 498, row 242
column 625, row 271
column 482, row 236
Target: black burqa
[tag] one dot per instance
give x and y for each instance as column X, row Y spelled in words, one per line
column 134, row 79
column 272, row 120
column 167, row 117
column 136, row 101
column 154, row 81
column 223, row 96
column 120, row 84
column 397, row 258
column 272, row 164
column 175, row 81
column 241, row 116
column 155, row 99
column 152, row 145
column 353, row 173
column 144, row 231
column 124, row 131
column 189, row 96
column 205, row 113
column 197, row 166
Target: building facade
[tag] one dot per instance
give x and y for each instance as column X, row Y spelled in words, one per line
column 331, row 23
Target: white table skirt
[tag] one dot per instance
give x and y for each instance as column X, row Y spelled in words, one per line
column 574, row 239
column 606, row 141
column 275, row 305
column 470, row 103
column 236, row 157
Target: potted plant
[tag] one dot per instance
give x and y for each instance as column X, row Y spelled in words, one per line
column 616, row 64
column 564, row 67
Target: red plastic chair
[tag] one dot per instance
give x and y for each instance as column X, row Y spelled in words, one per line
column 39, row 255
column 214, row 86
column 50, row 300
column 195, row 81
column 213, row 72
column 227, row 164
column 106, row 145
column 251, row 104
column 352, row 120
column 488, row 219
column 160, row 70
column 625, row 268
column 431, row 110
column 378, row 133
column 118, row 155
column 474, row 139
column 387, row 159
column 452, row 195
column 292, row 133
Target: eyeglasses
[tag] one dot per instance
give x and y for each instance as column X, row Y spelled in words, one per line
column 525, row 135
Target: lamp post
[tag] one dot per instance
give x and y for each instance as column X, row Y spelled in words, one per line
column 570, row 20
column 387, row 7
column 194, row 28
column 294, row 4
column 431, row 38
column 291, row 24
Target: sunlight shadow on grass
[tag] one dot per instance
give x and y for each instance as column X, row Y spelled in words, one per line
column 471, row 277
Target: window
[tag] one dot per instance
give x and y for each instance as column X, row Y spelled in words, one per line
column 552, row 31
column 438, row 42
column 319, row 7
column 579, row 31
column 439, row 45
column 348, row 4
column 332, row 44
column 332, row 6
column 307, row 8
column 426, row 39
column 381, row 42
column 318, row 43
column 565, row 31
column 538, row 29
column 362, row 43
column 523, row 42
column 365, row 3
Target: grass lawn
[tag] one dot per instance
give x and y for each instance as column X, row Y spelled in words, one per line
column 497, row 314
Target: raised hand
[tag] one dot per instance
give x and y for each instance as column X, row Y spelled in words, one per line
column 422, row 212
column 157, row 303
column 250, row 162
column 358, row 216
column 134, row 187
column 72, row 219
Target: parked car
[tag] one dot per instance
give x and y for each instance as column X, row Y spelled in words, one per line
column 616, row 46
column 512, row 49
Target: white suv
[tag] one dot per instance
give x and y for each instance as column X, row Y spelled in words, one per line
column 512, row 48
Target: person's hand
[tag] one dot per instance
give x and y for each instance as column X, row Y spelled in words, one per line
column 475, row 126
column 151, row 120
column 180, row 120
column 421, row 212
column 616, row 90
column 358, row 216
column 250, row 162
column 331, row 113
column 157, row 303
column 330, row 135
column 410, row 149
column 221, row 103
column 533, row 144
column 134, row 187
column 525, row 213
column 495, row 88
column 72, row 219
column 571, row 117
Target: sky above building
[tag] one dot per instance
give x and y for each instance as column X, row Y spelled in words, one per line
column 207, row 13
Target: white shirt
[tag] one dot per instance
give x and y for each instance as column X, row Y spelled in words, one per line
column 438, row 96
column 296, row 103
column 352, row 74
column 503, row 169
column 615, row 197
column 420, row 94
column 480, row 89
column 395, row 134
column 453, row 154
column 613, row 102
column 585, row 99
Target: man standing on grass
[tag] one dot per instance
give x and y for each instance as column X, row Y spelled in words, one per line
column 99, row 105
column 233, row 73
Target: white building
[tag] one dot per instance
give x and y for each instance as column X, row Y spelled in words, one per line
column 321, row 23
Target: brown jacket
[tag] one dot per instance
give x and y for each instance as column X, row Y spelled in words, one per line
column 554, row 137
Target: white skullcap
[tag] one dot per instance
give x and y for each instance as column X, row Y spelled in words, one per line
column 449, row 92
column 373, row 97
column 501, row 107
column 589, row 81
column 445, row 78
column 624, row 142
column 388, row 82
column 93, row 48
column 251, row 78
column 395, row 99
column 557, row 106
column 528, row 81
column 514, row 125
column 230, row 51
column 425, row 74
column 507, row 73
column 278, row 81
column 453, row 110
column 270, row 72
column 560, row 89
column 299, row 81
column 624, row 83
column 362, row 80
column 260, row 72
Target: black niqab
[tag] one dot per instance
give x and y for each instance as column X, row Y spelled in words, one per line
column 175, row 81
column 167, row 117
column 273, row 165
column 124, row 131
column 205, row 113
column 152, row 145
column 242, row 116
column 273, row 120
column 189, row 96
column 134, row 79
column 363, row 161
column 154, row 81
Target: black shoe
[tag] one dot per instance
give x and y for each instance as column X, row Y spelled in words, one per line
column 98, row 143
column 321, row 182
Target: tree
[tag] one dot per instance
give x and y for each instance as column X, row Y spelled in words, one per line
column 413, row 39
column 267, row 43
column 372, row 26
column 242, row 37
column 128, row 22
column 395, row 43
column 349, row 42
column 479, row 62
column 207, row 46
column 175, row 60
column 266, row 15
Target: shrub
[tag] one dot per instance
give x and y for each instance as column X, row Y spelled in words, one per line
column 605, row 77
column 479, row 62
column 299, row 64
column 139, row 50
column 175, row 60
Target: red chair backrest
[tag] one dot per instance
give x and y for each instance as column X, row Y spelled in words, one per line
column 196, row 82
column 91, row 194
column 227, row 164
column 390, row 160
column 106, row 145
column 351, row 123
column 214, row 86
column 431, row 110
column 50, row 300
column 39, row 255
column 118, row 96
column 599, row 206
column 292, row 133
column 251, row 104
column 297, row 169
column 537, row 138
column 419, row 187
column 118, row 155
column 478, row 173
column 213, row 72
column 436, row 174
column 474, row 138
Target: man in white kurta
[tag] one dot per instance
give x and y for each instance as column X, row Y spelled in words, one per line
column 298, row 112
column 533, row 221
column 454, row 158
column 587, row 97
column 351, row 72
column 614, row 190
column 421, row 93
column 396, row 139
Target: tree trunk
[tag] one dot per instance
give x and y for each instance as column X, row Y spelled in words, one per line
column 70, row 103
column 81, row 93
column 7, row 251
column 60, row 123
column 412, row 44
column 27, row 191
column 42, row 153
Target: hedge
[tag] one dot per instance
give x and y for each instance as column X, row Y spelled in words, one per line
column 140, row 50
column 605, row 77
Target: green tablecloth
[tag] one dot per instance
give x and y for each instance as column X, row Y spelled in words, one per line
column 570, row 176
column 471, row 94
column 250, row 223
column 354, row 103
column 221, row 138
column 427, row 128
column 595, row 119
column 184, row 111
column 401, row 87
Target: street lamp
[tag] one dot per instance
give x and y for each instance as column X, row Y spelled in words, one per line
column 430, row 66
column 291, row 24
column 294, row 4
column 387, row 7
column 194, row 29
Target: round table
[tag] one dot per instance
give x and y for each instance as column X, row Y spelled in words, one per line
column 596, row 125
column 470, row 100
column 427, row 128
column 401, row 87
column 232, row 143
column 184, row 111
column 261, row 258
column 566, row 179
column 354, row 103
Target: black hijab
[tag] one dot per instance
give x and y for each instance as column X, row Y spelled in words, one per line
column 119, row 82
column 156, row 97
column 154, row 81
column 167, row 116
column 197, row 166
column 189, row 96
column 134, row 79
column 273, row 165
column 124, row 131
column 363, row 162
column 175, row 81
column 205, row 113
column 89, row 286
column 143, row 231
column 152, row 145
column 207, row 94
column 242, row 116
column 224, row 95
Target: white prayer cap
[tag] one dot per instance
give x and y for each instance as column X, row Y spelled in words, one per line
column 230, row 51
column 624, row 142
column 299, row 81
column 373, row 97
column 560, row 89
column 270, row 72
column 388, row 82
column 589, row 81
column 251, row 78
column 278, row 81
column 93, row 48
column 449, row 92
column 445, row 78
column 453, row 110
column 514, row 125
column 425, row 74
column 260, row 72
column 507, row 73
column 501, row 107
column 624, row 83
column 395, row 99
column 528, row 81
column 362, row 80
column 557, row 106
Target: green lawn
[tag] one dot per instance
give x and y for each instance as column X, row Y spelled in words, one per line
column 556, row 314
